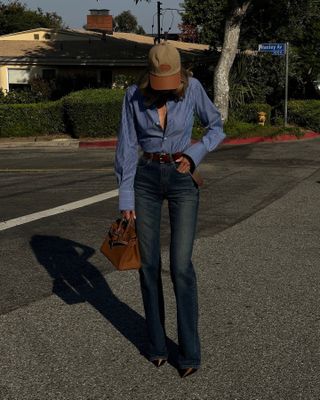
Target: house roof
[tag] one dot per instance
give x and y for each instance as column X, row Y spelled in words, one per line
column 150, row 40
column 68, row 31
column 118, row 49
column 27, row 31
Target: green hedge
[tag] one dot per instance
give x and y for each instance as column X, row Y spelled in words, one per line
column 31, row 119
column 249, row 112
column 240, row 129
column 305, row 113
column 236, row 129
column 93, row 112
column 96, row 113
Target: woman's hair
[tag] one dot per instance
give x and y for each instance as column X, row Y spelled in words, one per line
column 152, row 96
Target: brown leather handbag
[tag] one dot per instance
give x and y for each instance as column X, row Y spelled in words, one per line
column 121, row 245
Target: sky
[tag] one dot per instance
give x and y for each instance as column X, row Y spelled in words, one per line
column 74, row 12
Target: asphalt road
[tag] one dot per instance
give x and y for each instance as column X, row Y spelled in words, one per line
column 73, row 328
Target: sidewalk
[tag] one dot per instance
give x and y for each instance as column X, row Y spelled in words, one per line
column 67, row 141
column 259, row 294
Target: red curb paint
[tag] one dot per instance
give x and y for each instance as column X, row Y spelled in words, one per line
column 279, row 138
column 257, row 139
column 99, row 143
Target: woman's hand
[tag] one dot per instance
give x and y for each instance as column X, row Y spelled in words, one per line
column 185, row 164
column 127, row 214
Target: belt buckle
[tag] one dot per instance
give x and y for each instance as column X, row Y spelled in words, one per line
column 161, row 160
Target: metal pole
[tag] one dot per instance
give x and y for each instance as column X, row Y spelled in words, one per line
column 158, row 17
column 286, row 89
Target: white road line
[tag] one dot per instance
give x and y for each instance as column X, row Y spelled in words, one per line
column 9, row 170
column 57, row 210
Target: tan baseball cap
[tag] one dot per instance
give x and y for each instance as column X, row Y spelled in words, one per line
column 164, row 67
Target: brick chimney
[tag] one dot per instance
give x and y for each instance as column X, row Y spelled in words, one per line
column 99, row 21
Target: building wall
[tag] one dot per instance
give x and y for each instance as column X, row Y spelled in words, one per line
column 3, row 78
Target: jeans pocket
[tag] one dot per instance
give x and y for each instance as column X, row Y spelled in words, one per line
column 176, row 166
column 187, row 174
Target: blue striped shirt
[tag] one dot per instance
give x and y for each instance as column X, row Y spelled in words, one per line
column 140, row 127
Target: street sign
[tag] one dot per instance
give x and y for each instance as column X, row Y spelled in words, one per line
column 277, row 49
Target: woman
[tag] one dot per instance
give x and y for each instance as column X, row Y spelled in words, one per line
column 157, row 115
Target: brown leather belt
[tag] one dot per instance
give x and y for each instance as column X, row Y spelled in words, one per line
column 167, row 157
column 162, row 157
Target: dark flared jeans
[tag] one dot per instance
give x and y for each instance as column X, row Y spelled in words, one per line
column 155, row 182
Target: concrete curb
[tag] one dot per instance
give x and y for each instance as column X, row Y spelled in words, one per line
column 112, row 142
column 74, row 143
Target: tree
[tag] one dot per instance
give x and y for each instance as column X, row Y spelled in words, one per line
column 126, row 22
column 300, row 26
column 15, row 17
column 219, row 23
column 221, row 87
column 218, row 13
column 228, row 24
column 189, row 33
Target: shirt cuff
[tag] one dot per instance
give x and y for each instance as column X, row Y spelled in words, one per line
column 198, row 150
column 126, row 199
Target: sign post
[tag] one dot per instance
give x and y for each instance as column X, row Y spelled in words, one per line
column 279, row 49
column 286, row 94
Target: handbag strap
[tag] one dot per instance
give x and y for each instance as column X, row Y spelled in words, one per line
column 123, row 219
column 129, row 222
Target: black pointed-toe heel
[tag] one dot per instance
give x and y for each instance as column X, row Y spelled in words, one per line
column 184, row 372
column 159, row 362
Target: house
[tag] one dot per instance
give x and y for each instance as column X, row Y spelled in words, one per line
column 80, row 57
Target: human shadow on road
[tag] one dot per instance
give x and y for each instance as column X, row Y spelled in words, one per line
column 76, row 279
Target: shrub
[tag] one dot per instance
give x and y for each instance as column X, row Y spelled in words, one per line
column 122, row 81
column 93, row 112
column 19, row 97
column 38, row 90
column 31, row 119
column 249, row 112
column 305, row 113
column 235, row 129
column 240, row 129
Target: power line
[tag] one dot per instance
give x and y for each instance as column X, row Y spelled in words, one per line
column 160, row 13
column 172, row 20
column 153, row 22
column 171, row 23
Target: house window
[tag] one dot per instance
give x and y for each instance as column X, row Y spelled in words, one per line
column 47, row 36
column 48, row 74
column 36, row 36
column 18, row 78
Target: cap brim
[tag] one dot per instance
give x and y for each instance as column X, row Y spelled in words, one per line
column 165, row 82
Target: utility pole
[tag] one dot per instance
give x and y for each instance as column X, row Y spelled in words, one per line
column 158, row 18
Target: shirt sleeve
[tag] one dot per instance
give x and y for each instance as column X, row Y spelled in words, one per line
column 126, row 155
column 210, row 117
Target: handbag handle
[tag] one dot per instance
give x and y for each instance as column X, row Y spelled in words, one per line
column 130, row 221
